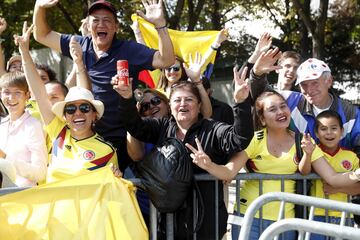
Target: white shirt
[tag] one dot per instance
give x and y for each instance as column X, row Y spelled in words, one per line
column 23, row 142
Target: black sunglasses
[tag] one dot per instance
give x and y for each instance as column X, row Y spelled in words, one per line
column 145, row 106
column 71, row 108
column 176, row 69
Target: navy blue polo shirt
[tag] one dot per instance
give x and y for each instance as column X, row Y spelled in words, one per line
column 102, row 70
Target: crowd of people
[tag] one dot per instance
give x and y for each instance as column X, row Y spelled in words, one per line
column 52, row 131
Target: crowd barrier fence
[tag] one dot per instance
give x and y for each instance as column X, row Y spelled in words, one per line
column 207, row 177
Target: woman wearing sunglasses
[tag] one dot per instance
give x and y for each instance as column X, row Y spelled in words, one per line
column 77, row 148
column 219, row 139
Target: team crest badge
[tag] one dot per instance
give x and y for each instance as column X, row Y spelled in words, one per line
column 346, row 164
column 89, row 155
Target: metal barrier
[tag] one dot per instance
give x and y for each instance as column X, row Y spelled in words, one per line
column 302, row 225
column 312, row 202
column 208, row 177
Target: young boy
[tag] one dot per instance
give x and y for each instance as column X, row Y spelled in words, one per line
column 329, row 129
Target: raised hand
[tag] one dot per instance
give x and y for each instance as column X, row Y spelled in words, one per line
column 23, row 40
column 154, row 12
column 242, row 87
column 3, row 25
column 121, row 88
column 221, row 37
column 46, row 3
column 194, row 70
column 262, row 45
column 75, row 50
column 266, row 62
column 200, row 158
column 306, row 144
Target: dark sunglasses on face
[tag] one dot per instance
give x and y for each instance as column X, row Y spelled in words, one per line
column 175, row 69
column 71, row 108
column 145, row 106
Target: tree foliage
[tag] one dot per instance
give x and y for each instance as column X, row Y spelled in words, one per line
column 333, row 34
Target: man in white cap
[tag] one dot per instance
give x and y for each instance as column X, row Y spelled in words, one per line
column 101, row 50
column 315, row 80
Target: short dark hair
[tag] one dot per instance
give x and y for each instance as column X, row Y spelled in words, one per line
column 328, row 114
column 289, row 54
column 189, row 86
column 64, row 88
column 50, row 72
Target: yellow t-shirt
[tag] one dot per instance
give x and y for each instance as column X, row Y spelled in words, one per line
column 342, row 161
column 33, row 109
column 70, row 157
column 261, row 161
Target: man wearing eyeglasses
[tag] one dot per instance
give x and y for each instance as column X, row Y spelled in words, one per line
column 101, row 50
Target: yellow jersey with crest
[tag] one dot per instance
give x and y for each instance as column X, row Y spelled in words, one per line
column 261, row 161
column 341, row 161
column 71, row 157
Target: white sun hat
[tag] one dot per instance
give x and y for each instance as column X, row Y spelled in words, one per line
column 311, row 69
column 75, row 94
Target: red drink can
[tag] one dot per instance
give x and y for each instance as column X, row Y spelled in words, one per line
column 122, row 67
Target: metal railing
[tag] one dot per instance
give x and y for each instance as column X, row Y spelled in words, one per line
column 302, row 225
column 312, row 202
column 208, row 177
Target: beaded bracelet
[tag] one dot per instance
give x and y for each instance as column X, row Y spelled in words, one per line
column 198, row 82
column 159, row 28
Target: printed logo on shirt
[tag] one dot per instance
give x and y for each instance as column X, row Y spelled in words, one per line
column 68, row 147
column 346, row 164
column 258, row 157
column 88, row 155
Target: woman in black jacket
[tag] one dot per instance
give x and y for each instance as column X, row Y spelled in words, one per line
column 219, row 140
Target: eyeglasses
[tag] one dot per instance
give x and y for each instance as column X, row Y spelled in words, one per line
column 175, row 69
column 71, row 108
column 145, row 106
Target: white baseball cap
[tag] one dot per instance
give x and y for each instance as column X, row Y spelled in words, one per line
column 311, row 69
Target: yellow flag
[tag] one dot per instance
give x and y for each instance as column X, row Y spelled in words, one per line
column 184, row 43
column 94, row 206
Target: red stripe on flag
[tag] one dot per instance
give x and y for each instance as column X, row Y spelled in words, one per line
column 146, row 78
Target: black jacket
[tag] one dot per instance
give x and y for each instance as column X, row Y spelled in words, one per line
column 218, row 140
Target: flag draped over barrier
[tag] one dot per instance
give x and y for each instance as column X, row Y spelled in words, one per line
column 184, row 43
column 96, row 205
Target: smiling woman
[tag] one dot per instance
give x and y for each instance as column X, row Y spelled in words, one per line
column 76, row 147
column 219, row 139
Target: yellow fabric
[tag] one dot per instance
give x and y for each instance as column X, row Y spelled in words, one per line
column 94, row 206
column 264, row 162
column 74, row 157
column 343, row 161
column 184, row 42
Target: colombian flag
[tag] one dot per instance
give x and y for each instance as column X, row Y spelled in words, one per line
column 184, row 43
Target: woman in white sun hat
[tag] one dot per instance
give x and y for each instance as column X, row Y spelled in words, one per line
column 77, row 148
